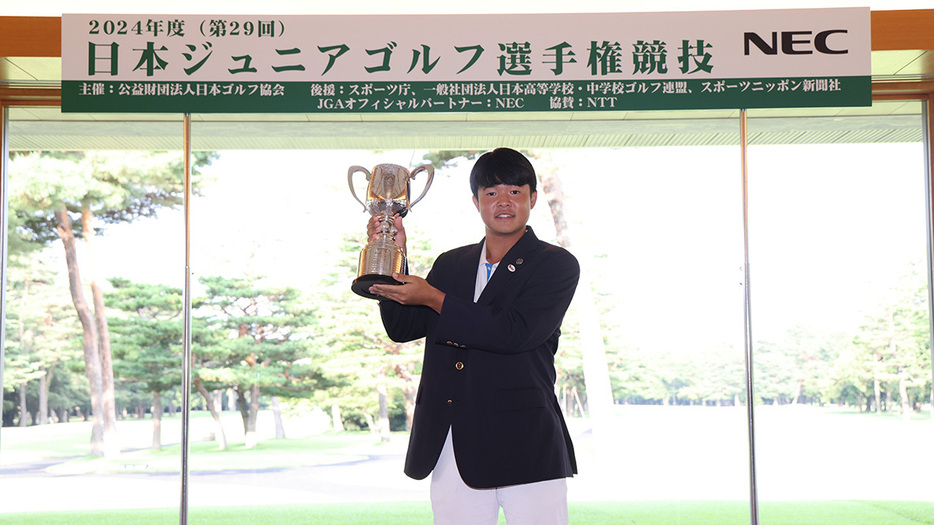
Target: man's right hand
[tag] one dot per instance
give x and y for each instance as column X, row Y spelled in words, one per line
column 374, row 228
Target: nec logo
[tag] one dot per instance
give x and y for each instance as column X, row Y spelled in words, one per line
column 794, row 43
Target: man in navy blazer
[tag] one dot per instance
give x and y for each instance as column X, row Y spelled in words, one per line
column 487, row 421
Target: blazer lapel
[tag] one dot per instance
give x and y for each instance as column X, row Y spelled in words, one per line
column 509, row 267
column 466, row 272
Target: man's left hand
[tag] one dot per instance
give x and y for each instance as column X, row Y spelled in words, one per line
column 413, row 291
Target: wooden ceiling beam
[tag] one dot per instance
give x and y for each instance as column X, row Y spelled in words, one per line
column 902, row 29
column 36, row 36
column 31, row 36
column 10, row 96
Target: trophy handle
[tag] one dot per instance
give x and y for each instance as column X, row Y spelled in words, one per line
column 431, row 175
column 350, row 173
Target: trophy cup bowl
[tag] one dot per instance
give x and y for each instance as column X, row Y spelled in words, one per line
column 388, row 193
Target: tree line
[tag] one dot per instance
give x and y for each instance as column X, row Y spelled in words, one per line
column 104, row 350
column 117, row 353
column 884, row 366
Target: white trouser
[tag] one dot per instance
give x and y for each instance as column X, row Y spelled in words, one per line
column 455, row 503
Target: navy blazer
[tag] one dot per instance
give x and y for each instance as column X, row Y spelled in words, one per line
column 488, row 372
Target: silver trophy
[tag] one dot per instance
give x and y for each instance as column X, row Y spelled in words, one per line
column 387, row 194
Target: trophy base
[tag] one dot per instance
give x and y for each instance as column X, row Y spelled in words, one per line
column 361, row 285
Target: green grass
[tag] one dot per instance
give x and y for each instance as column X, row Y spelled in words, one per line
column 661, row 464
column 206, row 456
column 70, row 443
column 591, row 513
column 47, row 441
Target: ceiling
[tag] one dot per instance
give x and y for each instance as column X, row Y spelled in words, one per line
column 46, row 127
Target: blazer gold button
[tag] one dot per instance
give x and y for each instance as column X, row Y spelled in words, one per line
column 450, row 402
column 459, row 365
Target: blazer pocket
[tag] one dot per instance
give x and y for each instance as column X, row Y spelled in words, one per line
column 519, row 399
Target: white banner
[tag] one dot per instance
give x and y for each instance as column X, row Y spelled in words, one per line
column 102, row 54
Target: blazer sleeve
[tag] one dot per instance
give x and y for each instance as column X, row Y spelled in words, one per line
column 524, row 318
column 404, row 323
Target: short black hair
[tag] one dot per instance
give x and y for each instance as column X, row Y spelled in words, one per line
column 502, row 166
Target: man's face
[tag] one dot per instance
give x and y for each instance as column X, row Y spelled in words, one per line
column 505, row 209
